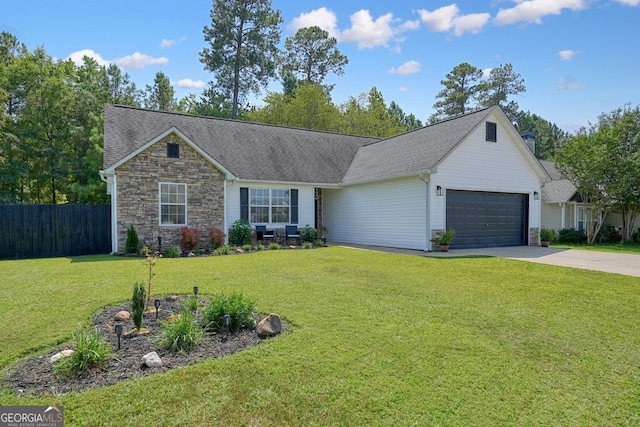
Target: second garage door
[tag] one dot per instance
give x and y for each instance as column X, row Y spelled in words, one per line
column 484, row 219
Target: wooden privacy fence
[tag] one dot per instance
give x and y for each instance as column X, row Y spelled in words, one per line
column 38, row 231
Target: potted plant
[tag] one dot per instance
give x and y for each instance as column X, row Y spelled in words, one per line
column 546, row 236
column 444, row 240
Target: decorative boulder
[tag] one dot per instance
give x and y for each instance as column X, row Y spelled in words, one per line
column 122, row 316
column 60, row 355
column 269, row 326
column 152, row 360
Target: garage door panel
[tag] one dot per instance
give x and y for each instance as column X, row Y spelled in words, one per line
column 485, row 219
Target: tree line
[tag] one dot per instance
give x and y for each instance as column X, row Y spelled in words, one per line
column 51, row 120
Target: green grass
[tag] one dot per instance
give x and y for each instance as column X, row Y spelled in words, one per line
column 627, row 247
column 377, row 339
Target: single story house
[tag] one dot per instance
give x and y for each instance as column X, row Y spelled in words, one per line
column 473, row 173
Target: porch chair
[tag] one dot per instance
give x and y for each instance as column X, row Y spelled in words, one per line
column 262, row 233
column 291, row 232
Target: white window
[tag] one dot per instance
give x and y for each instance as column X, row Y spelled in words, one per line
column 580, row 218
column 269, row 205
column 173, row 203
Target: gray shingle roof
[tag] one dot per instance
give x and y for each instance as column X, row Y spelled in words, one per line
column 247, row 150
column 417, row 151
column 560, row 190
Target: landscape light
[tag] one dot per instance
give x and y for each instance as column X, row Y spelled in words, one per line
column 156, row 303
column 119, row 333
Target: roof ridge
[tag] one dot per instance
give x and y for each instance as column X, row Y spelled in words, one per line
column 240, row 121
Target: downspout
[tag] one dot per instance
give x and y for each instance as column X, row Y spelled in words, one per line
column 428, row 214
column 112, row 186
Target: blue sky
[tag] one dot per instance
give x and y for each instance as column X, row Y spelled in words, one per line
column 578, row 58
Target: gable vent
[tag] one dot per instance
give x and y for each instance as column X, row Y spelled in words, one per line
column 492, row 132
column 173, row 151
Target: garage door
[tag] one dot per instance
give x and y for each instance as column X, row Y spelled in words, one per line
column 484, row 219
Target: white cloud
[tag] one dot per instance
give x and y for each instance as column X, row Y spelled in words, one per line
column 139, row 60
column 448, row 18
column 628, row 2
column 76, row 57
column 486, row 73
column 167, row 43
column 440, row 20
column 189, row 84
column 567, row 55
column 533, row 10
column 409, row 67
column 367, row 32
column 471, row 23
column 323, row 18
column 564, row 84
column 403, row 89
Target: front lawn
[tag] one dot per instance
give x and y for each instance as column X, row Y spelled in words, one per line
column 377, row 339
column 627, row 247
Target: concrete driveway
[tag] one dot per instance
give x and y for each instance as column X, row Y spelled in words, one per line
column 609, row 262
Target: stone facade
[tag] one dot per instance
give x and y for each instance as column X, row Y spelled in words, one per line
column 534, row 236
column 138, row 194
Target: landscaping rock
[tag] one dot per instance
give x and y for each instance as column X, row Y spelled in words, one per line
column 269, row 326
column 152, row 360
column 60, row 355
column 122, row 316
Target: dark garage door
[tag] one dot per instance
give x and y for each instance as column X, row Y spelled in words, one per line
column 483, row 219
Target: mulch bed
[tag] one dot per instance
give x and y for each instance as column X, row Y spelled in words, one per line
column 35, row 377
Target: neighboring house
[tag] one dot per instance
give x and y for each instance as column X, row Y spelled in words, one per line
column 473, row 173
column 563, row 206
column 562, row 203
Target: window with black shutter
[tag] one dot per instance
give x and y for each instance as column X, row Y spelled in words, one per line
column 173, row 151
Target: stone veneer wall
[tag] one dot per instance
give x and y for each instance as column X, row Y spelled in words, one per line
column 138, row 194
column 534, row 236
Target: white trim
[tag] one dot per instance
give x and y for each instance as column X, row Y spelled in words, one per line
column 114, row 214
column 111, row 169
column 186, row 204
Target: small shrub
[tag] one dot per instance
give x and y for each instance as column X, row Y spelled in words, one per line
column 309, row 234
column 609, row 234
column 172, row 252
column 240, row 233
column 547, row 235
column 190, row 304
column 223, row 250
column 182, row 335
column 137, row 304
column 307, row 245
column 236, row 305
column 188, row 238
column 274, row 246
column 217, row 237
column 133, row 244
column 260, row 247
column 246, row 248
column 91, row 352
column 571, row 236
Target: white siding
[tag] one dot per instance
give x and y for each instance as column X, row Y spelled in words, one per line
column 478, row 165
column 390, row 213
column 306, row 202
column 552, row 216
